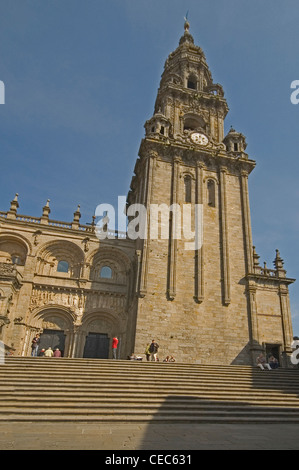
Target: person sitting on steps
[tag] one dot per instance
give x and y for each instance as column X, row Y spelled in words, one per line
column 262, row 363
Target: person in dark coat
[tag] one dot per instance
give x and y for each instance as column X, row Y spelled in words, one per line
column 153, row 349
column 35, row 345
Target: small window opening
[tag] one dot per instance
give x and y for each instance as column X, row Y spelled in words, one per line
column 162, row 130
column 187, row 183
column 191, row 84
column 211, row 193
column 106, row 272
column 236, row 147
column 153, row 129
column 63, row 267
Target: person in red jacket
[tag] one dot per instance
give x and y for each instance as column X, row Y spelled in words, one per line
column 114, row 347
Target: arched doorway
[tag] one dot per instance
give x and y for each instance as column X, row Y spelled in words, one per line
column 52, row 338
column 97, row 345
column 98, row 330
column 55, row 326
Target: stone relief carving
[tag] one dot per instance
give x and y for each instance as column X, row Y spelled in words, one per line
column 7, row 269
column 77, row 302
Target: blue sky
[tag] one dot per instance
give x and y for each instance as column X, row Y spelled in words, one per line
column 81, row 79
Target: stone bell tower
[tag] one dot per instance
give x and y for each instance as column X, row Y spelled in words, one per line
column 206, row 302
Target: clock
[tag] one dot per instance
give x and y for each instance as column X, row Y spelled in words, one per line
column 199, row 138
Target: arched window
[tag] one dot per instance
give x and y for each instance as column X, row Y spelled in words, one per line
column 191, row 82
column 106, row 272
column 192, row 122
column 63, row 267
column 16, row 259
column 211, row 193
column 188, row 187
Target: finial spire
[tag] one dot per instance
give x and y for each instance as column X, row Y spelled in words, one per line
column 14, row 205
column 187, row 36
column 46, row 212
column 76, row 219
column 186, row 24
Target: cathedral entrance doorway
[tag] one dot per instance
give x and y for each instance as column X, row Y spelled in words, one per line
column 273, row 349
column 53, row 339
column 96, row 346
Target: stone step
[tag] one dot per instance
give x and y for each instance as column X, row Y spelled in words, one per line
column 109, row 400
column 149, row 398
column 218, row 375
column 220, row 397
column 48, row 389
column 107, row 407
column 127, row 386
column 204, row 417
column 191, row 381
column 158, row 369
column 53, row 365
column 148, row 410
column 99, row 364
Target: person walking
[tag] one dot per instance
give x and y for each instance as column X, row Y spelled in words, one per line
column 153, row 349
column 114, row 347
column 147, row 352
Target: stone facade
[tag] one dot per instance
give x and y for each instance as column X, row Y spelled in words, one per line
column 211, row 303
column 60, row 282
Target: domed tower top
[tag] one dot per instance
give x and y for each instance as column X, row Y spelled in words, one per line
column 187, row 96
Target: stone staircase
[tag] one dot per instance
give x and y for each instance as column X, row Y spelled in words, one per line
column 94, row 390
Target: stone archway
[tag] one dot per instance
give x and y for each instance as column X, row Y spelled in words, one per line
column 96, row 335
column 55, row 326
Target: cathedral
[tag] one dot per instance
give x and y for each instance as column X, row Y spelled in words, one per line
column 210, row 302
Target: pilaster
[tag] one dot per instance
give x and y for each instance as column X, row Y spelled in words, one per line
column 171, row 288
column 246, row 221
column 224, row 237
column 151, row 162
column 199, row 253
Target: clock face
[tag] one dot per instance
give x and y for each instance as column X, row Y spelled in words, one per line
column 199, row 138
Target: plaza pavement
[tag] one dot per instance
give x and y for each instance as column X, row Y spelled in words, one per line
column 134, row 437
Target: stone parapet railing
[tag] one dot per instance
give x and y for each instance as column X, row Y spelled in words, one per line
column 90, row 229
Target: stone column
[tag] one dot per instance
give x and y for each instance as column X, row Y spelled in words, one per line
column 247, row 222
column 151, row 162
column 199, row 253
column 138, row 264
column 70, row 342
column 255, row 346
column 80, row 343
column 286, row 318
column 224, row 237
column 171, row 288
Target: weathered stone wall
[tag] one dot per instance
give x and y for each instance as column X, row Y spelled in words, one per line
column 196, row 332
